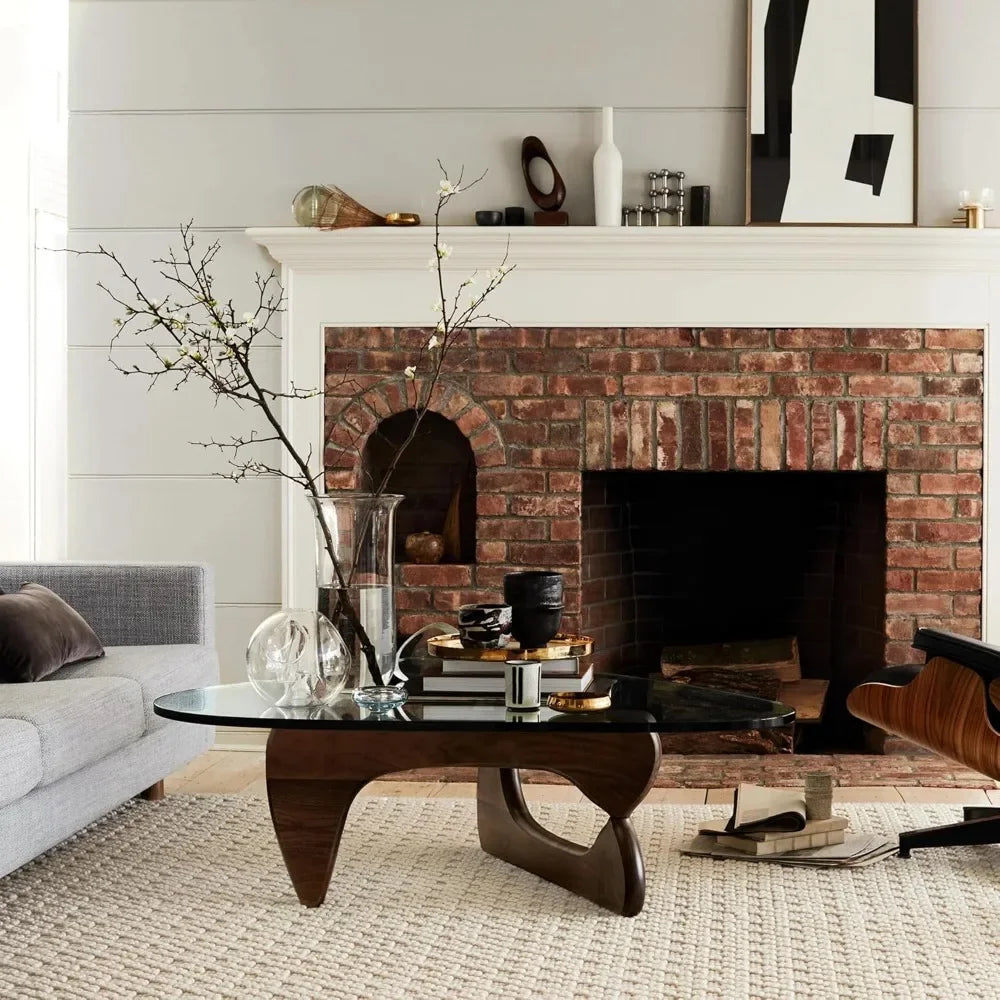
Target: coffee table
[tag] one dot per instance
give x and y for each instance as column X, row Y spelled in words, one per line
column 318, row 759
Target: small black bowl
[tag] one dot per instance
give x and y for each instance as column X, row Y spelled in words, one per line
column 485, row 218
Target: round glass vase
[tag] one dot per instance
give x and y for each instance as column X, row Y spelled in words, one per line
column 355, row 563
column 297, row 659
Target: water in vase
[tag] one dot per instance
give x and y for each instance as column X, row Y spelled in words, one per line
column 376, row 612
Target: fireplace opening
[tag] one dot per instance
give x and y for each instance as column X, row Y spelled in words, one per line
column 675, row 558
column 437, row 476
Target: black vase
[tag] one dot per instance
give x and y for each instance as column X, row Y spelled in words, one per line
column 536, row 598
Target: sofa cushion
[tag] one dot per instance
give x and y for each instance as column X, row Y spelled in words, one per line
column 39, row 633
column 78, row 721
column 158, row 670
column 20, row 759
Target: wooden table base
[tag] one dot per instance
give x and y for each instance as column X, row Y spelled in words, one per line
column 313, row 776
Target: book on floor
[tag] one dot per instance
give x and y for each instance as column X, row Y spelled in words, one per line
column 489, row 668
column 437, row 682
column 767, row 810
column 782, row 844
column 721, row 828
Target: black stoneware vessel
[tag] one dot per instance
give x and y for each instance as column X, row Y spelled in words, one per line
column 536, row 598
column 532, row 588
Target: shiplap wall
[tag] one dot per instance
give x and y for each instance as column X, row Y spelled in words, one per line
column 219, row 110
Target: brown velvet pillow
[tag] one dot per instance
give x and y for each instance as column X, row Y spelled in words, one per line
column 39, row 633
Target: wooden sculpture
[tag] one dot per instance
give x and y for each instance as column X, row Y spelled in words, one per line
column 549, row 202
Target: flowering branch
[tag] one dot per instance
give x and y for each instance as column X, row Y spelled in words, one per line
column 192, row 335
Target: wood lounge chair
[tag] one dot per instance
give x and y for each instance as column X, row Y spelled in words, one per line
column 949, row 705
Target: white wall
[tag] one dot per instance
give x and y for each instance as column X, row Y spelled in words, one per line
column 33, row 39
column 219, row 110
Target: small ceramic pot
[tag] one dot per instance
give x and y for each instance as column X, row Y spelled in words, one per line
column 484, row 626
column 424, row 547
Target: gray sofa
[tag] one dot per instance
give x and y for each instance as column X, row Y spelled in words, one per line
column 85, row 739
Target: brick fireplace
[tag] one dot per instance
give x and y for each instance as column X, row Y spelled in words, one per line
column 879, row 430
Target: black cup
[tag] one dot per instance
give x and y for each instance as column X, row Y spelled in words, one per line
column 533, row 627
column 532, row 588
column 536, row 598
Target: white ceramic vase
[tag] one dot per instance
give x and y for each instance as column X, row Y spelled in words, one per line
column 607, row 175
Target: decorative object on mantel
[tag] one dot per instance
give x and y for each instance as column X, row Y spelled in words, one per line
column 325, row 206
column 424, row 547
column 297, row 658
column 488, row 217
column 211, row 341
column 700, row 205
column 550, row 202
column 973, row 210
column 607, row 175
column 662, row 198
column 402, row 219
column 852, row 157
column 513, row 215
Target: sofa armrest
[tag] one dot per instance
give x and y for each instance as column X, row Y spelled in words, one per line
column 130, row 604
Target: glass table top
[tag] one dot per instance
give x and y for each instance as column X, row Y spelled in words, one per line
column 638, row 704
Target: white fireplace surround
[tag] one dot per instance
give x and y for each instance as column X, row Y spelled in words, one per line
column 585, row 276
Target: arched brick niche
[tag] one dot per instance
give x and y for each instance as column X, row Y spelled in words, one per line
column 435, row 474
column 542, row 406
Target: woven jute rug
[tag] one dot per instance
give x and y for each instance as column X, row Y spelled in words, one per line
column 189, row 898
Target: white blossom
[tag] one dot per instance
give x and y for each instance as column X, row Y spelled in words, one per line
column 409, row 371
column 443, row 251
column 440, row 326
column 432, row 343
column 446, row 188
column 248, row 317
column 432, row 263
column 438, row 306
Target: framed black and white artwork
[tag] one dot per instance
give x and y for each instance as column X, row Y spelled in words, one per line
column 831, row 112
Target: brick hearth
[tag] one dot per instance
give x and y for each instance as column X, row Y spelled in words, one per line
column 541, row 406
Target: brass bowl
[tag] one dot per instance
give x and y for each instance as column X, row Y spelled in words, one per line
column 402, row 219
column 573, row 701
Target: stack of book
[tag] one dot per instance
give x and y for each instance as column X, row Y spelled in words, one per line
column 485, row 677
column 771, row 824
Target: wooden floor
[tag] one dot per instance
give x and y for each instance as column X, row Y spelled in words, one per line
column 240, row 772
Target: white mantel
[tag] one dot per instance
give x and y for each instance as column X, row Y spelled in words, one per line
column 585, row 276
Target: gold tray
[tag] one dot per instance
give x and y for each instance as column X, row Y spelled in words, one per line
column 449, row 647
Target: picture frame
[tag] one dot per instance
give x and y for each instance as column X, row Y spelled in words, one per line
column 845, row 72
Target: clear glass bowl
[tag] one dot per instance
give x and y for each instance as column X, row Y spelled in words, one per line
column 297, row 658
